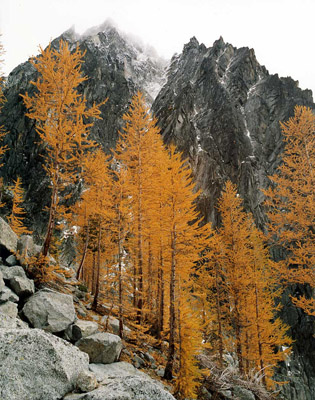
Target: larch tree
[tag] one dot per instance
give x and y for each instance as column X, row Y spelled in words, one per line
column 234, row 259
column 186, row 241
column 291, row 204
column 134, row 152
column 18, row 213
column 250, row 288
column 61, row 115
column 97, row 207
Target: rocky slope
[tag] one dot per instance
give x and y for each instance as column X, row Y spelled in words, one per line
column 46, row 352
column 219, row 106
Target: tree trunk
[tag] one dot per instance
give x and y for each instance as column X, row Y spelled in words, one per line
column 51, row 221
column 97, row 286
column 168, row 374
column 85, row 250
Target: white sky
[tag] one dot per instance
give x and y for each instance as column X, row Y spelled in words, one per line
column 280, row 31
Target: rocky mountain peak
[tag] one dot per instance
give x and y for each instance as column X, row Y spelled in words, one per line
column 222, row 109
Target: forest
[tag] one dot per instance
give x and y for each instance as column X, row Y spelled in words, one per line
column 143, row 248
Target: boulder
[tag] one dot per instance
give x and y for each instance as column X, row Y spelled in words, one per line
column 8, row 295
column 26, row 248
column 50, row 310
column 121, row 381
column 102, row 347
column 138, row 362
column 9, row 308
column 11, row 260
column 114, row 324
column 1, row 282
column 22, row 286
column 8, row 239
column 10, row 272
column 81, row 329
column 35, row 365
column 7, row 322
column 86, row 381
column 117, row 370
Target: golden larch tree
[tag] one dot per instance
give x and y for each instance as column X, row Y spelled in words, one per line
column 18, row 213
column 61, row 115
column 291, row 204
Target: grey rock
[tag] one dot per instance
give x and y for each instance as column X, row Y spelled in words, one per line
column 130, row 388
column 9, row 309
column 81, row 329
column 114, row 325
column 50, row 310
column 122, row 369
column 149, row 358
column 9, row 272
column 243, row 393
column 138, row 362
column 206, row 394
column 37, row 365
column 124, row 382
column 86, row 381
column 26, row 248
column 8, row 295
column 8, row 239
column 102, row 347
column 11, row 260
column 73, row 396
column 81, row 312
column 22, row 286
column 1, row 282
column 160, row 372
column 7, row 322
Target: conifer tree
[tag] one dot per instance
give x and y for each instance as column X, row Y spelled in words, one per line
column 134, row 151
column 187, row 239
column 60, row 113
column 250, row 289
column 18, row 213
column 291, row 204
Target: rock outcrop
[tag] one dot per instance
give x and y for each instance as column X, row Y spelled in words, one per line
column 121, row 381
column 35, row 365
column 50, row 310
column 101, row 347
column 222, row 109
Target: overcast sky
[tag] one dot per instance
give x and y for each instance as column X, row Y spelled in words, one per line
column 280, row 31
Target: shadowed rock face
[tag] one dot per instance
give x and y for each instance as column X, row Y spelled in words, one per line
column 218, row 105
column 116, row 68
column 222, row 109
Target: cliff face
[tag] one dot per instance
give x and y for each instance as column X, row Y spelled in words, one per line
column 217, row 104
column 223, row 110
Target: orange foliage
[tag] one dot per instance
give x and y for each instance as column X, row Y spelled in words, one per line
column 60, row 113
column 291, row 205
column 17, row 214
